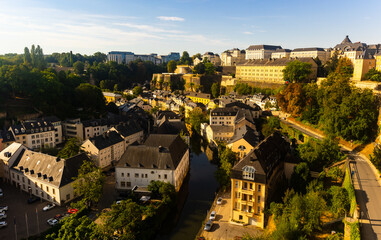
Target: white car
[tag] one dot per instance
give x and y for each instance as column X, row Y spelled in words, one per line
column 219, row 201
column 3, row 215
column 48, row 207
column 212, row 215
column 208, row 225
column 3, row 224
column 52, row 221
column 3, row 208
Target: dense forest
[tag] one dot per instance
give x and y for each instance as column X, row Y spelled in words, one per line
column 42, row 81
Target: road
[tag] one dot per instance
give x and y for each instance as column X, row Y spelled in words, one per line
column 367, row 188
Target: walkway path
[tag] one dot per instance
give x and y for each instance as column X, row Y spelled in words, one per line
column 367, row 186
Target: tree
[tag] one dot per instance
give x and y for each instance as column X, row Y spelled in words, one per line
column 339, row 201
column 210, row 69
column 90, row 97
column 72, row 147
column 227, row 159
column 292, row 99
column 297, row 72
column 375, row 158
column 344, row 67
column 185, row 59
column 373, row 75
column 79, row 67
column 89, row 183
column 171, row 66
column 27, row 57
column 199, row 68
column 300, row 177
column 196, row 117
column 270, row 126
column 215, row 89
column 137, row 90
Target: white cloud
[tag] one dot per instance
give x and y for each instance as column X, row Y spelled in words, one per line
column 147, row 28
column 176, row 19
column 248, row 33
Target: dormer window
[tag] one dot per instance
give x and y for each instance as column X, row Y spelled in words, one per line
column 16, row 131
column 242, row 148
column 22, row 130
column 248, row 172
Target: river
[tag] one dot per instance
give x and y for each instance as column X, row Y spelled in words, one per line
column 200, row 190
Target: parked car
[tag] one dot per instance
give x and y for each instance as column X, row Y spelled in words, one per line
column 52, row 221
column 3, row 208
column 3, row 224
column 118, row 202
column 1, row 192
column 33, row 199
column 219, row 201
column 208, row 225
column 48, row 207
column 3, row 215
column 212, row 215
column 72, row 210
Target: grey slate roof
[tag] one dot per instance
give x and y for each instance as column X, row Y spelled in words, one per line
column 128, row 128
column 106, row 140
column 248, row 134
column 53, row 170
column 34, row 126
column 265, row 47
column 158, row 152
column 264, row 158
column 7, row 136
column 308, row 49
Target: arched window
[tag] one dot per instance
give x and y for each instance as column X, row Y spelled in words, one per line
column 242, row 148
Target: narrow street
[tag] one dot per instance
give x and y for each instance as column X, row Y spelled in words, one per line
column 367, row 187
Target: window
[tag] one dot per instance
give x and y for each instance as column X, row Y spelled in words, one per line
column 54, row 191
column 128, row 184
column 68, row 197
column 36, row 192
column 240, row 217
column 28, row 181
column 122, row 174
column 259, row 188
column 245, row 185
column 137, row 175
column 259, row 210
column 235, row 205
column 123, row 184
column 236, row 184
column 259, row 199
column 146, row 176
column 165, row 176
column 248, row 172
column 128, row 174
column 18, row 177
column 23, row 179
column 142, row 175
column 42, row 194
column 235, row 194
column 47, row 188
column 159, row 176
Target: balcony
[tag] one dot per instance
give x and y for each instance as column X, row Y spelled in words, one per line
column 247, row 191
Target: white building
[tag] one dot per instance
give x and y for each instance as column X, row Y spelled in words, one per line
column 161, row 158
column 281, row 53
column 309, row 53
column 42, row 175
column 260, row 51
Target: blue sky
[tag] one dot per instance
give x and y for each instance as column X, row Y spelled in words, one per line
column 162, row 26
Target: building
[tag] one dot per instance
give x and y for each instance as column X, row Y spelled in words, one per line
column 130, row 131
column 244, row 140
column 106, row 149
column 42, row 175
column 126, row 57
column 203, row 98
column 211, row 57
column 281, row 53
column 260, row 51
column 269, row 71
column 349, row 50
column 111, row 97
column 57, row 124
column 73, row 128
column 6, row 139
column 34, row 134
column 232, row 57
column 378, row 61
column 255, row 177
column 309, row 53
column 161, row 158
column 362, row 66
column 95, row 127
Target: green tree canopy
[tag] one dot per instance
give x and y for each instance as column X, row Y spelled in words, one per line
column 90, row 97
column 72, row 147
column 79, row 67
column 215, row 89
column 186, row 59
column 89, row 183
column 210, row 69
column 196, row 117
column 297, row 72
column 171, row 66
column 373, row 75
column 137, row 90
column 199, row 68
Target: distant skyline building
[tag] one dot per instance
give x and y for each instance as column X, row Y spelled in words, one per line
column 126, row 57
column 260, row 51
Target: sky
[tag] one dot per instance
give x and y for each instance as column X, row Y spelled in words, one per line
column 196, row 26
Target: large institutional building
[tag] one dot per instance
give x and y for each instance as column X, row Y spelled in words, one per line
column 126, row 57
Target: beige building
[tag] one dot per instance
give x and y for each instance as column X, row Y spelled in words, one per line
column 309, row 53
column 245, row 139
column 232, row 57
column 130, row 131
column 269, row 71
column 161, row 158
column 260, row 51
column 42, row 175
column 254, row 180
column 212, row 57
column 361, row 67
column 378, row 61
column 73, row 128
column 106, row 149
column 281, row 53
